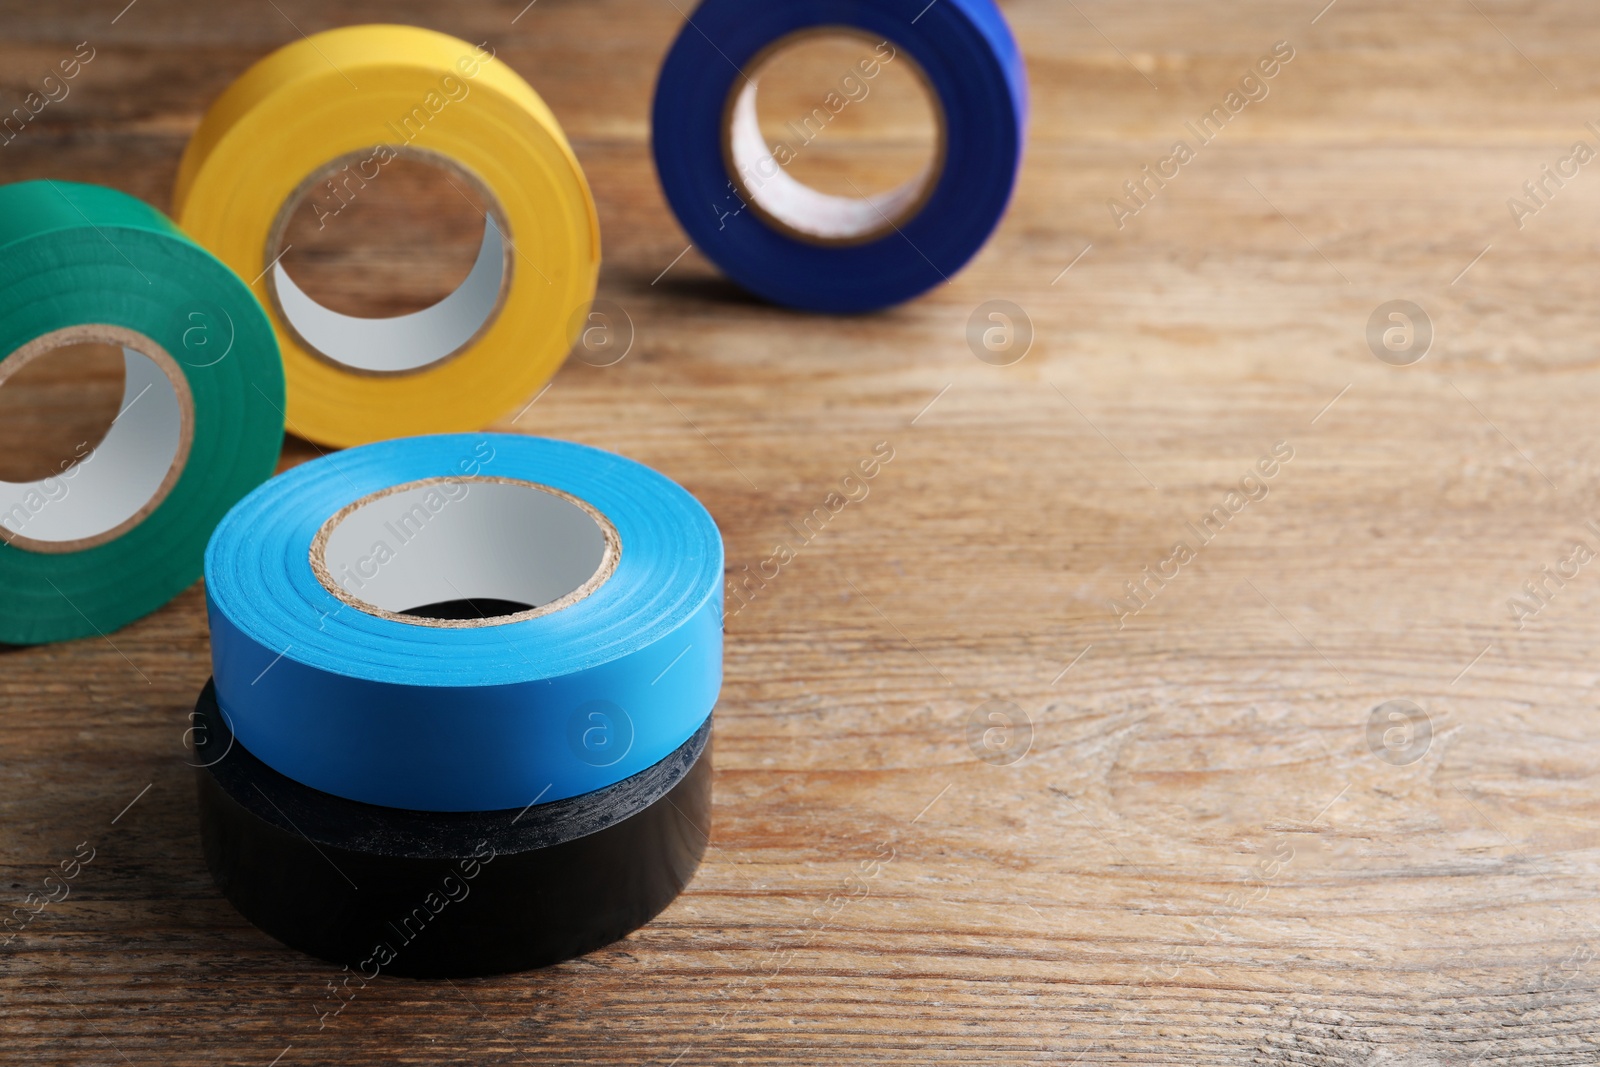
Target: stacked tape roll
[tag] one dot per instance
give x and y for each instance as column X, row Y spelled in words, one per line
column 120, row 528
column 592, row 650
column 803, row 248
column 425, row 642
column 329, row 113
column 430, row 895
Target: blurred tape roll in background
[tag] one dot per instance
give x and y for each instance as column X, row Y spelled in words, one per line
column 118, row 525
column 315, row 124
column 796, row 245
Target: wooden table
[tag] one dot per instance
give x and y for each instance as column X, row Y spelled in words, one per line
column 1209, row 854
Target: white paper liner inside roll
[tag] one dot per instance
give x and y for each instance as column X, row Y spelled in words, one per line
column 103, row 490
column 797, row 208
column 402, row 342
column 469, row 538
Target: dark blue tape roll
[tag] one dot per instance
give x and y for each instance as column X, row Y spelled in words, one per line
column 326, row 679
column 972, row 65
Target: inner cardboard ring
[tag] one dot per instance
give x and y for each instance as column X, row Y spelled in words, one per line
column 399, row 344
column 474, row 538
column 791, row 206
column 102, row 492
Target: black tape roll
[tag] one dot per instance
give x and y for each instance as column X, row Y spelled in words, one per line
column 447, row 894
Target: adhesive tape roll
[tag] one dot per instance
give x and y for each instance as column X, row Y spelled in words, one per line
column 795, row 245
column 324, row 116
column 465, row 622
column 447, row 894
column 117, row 530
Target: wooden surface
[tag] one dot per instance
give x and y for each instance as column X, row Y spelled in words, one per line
column 1202, row 859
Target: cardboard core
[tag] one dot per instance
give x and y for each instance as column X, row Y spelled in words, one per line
column 471, row 541
column 398, row 344
column 106, row 490
column 798, row 209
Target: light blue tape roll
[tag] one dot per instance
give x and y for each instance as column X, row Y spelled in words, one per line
column 717, row 180
column 339, row 691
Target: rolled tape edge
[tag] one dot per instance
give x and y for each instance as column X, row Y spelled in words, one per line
column 404, row 715
column 353, row 825
column 314, row 58
column 229, row 203
column 894, row 267
column 485, row 899
column 236, row 410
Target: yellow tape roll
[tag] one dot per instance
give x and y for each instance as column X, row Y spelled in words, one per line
column 338, row 106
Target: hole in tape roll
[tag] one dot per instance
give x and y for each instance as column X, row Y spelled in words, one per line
column 467, row 551
column 374, row 263
column 835, row 136
column 469, row 608
column 103, row 419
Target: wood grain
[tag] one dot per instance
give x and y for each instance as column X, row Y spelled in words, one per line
column 1200, row 859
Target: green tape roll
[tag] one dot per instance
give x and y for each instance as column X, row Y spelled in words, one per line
column 120, row 529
